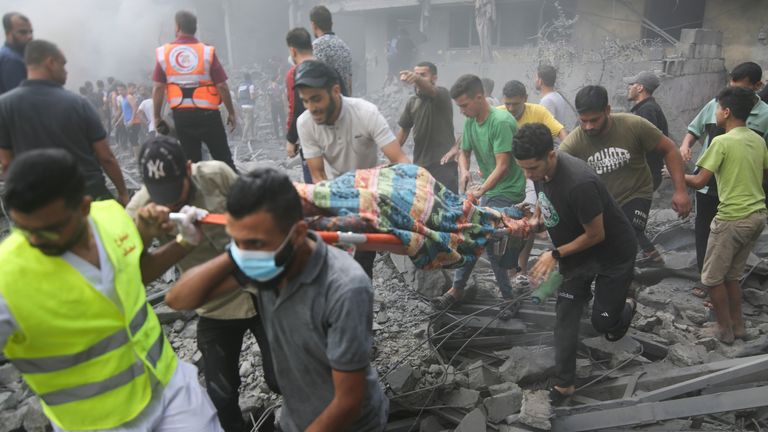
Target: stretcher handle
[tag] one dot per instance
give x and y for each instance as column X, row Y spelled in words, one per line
column 330, row 237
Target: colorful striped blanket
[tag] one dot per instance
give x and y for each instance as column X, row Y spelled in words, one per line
column 438, row 227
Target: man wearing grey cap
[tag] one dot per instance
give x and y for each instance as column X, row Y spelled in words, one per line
column 640, row 91
column 340, row 134
column 171, row 180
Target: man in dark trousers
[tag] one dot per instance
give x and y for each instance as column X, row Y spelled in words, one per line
column 18, row 32
column 189, row 73
column 593, row 242
column 640, row 90
column 40, row 113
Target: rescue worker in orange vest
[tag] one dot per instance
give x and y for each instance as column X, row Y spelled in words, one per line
column 190, row 75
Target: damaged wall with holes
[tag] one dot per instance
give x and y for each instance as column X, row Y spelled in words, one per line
column 590, row 41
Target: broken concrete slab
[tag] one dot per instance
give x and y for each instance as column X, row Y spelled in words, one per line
column 500, row 406
column 481, row 376
column 34, row 418
column 503, row 388
column 527, row 364
column 755, row 297
column 583, row 368
column 687, row 354
column 462, row 398
column 617, row 352
column 8, row 374
column 432, row 283
column 536, row 409
column 402, row 379
column 472, row 422
column 430, row 424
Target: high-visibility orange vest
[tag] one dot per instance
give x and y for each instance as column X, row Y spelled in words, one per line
column 188, row 72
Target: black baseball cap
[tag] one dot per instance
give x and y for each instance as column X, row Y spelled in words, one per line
column 316, row 74
column 163, row 169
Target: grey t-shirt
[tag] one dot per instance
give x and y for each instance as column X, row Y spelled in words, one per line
column 432, row 121
column 320, row 321
column 558, row 106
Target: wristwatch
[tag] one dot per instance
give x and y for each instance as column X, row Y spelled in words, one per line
column 183, row 242
column 555, row 253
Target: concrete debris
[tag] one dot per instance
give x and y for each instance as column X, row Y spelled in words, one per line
column 617, row 352
column 430, row 424
column 536, row 409
column 501, row 406
column 481, row 376
column 755, row 297
column 687, row 354
column 472, row 422
column 504, row 387
column 8, row 375
column 527, row 364
column 402, row 379
column 462, row 398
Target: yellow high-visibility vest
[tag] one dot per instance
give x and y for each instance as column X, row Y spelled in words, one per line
column 91, row 362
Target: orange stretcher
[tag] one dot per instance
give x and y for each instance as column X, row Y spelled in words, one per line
column 377, row 242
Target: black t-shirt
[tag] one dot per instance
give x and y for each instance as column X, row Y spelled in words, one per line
column 42, row 114
column 573, row 198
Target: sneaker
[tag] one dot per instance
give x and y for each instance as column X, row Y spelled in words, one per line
column 522, row 281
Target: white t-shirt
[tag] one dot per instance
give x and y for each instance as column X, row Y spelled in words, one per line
column 147, row 107
column 351, row 143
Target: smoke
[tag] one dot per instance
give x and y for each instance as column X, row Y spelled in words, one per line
column 101, row 38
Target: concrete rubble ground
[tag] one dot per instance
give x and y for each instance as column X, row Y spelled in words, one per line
column 484, row 364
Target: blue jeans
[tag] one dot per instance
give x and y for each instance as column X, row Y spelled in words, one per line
column 499, row 263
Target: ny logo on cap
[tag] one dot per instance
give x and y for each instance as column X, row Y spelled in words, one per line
column 155, row 169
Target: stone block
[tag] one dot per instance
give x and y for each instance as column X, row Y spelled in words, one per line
column 8, row 375
column 617, row 352
column 34, row 418
column 462, row 398
column 480, row 376
column 686, row 354
column 402, row 379
column 503, row 388
column 432, row 283
column 500, row 406
column 430, row 424
column 12, row 421
column 656, row 53
column 694, row 66
column 701, row 36
column 717, row 65
column 527, row 365
column 687, row 50
column 536, row 409
column 472, row 422
column 755, row 297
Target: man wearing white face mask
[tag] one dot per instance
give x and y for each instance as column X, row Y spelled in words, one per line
column 315, row 303
column 173, row 181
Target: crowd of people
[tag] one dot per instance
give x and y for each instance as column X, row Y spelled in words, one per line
column 92, row 349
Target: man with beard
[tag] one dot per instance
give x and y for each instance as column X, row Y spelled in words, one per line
column 18, row 32
column 74, row 317
column 316, row 306
column 173, row 181
column 615, row 146
column 640, row 90
column 339, row 134
column 593, row 242
column 430, row 113
column 40, row 113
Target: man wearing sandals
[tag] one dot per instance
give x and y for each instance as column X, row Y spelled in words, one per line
column 594, row 242
column 488, row 134
column 739, row 161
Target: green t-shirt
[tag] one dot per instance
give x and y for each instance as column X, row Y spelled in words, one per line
column 705, row 127
column 488, row 139
column 618, row 155
column 738, row 159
